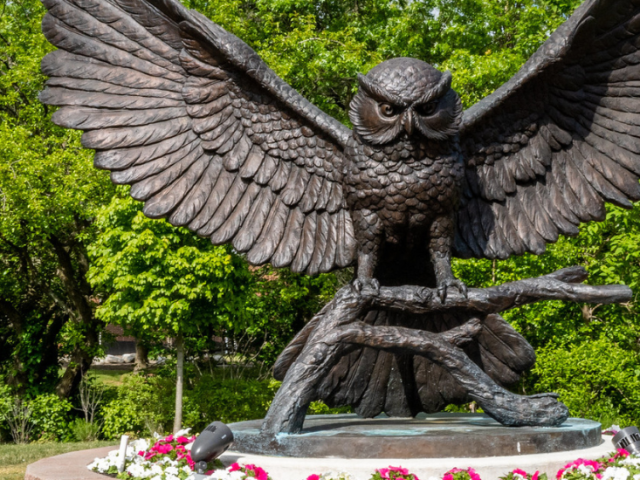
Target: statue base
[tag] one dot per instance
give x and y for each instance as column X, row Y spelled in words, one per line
column 441, row 435
column 73, row 466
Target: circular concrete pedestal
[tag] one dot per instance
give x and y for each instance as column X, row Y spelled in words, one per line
column 489, row 468
column 439, row 435
column 428, row 446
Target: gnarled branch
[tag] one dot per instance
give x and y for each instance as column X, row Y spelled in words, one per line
column 335, row 330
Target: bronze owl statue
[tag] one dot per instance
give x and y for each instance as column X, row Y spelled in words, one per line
column 212, row 139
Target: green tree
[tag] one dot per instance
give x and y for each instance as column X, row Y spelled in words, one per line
column 48, row 190
column 48, row 195
column 163, row 282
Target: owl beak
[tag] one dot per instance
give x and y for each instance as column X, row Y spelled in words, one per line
column 408, row 122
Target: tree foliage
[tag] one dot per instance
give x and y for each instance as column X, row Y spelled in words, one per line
column 156, row 279
column 48, row 195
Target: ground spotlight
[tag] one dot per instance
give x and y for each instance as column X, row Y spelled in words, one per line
column 210, row 444
column 629, row 439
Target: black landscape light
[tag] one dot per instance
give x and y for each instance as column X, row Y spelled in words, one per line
column 210, row 444
column 629, row 439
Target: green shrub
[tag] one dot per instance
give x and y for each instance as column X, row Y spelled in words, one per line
column 596, row 379
column 228, row 400
column 50, row 418
column 138, row 401
column 84, row 431
column 6, row 400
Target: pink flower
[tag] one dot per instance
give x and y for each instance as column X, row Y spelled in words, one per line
column 168, row 439
column 210, row 472
column 473, row 474
column 595, row 467
column 520, row 472
column 182, row 440
column 384, row 472
column 234, row 467
column 141, row 453
column 400, row 470
column 447, row 476
column 535, row 475
column 260, row 473
column 164, row 449
column 313, row 477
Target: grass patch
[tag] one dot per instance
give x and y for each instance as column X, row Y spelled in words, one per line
column 15, row 458
column 111, row 378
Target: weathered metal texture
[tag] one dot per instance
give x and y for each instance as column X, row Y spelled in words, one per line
column 440, row 435
column 210, row 138
column 335, row 332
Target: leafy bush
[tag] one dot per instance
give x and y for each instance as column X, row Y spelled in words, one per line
column 139, row 399
column 144, row 405
column 50, row 417
column 596, row 379
column 228, row 400
column 84, row 431
column 5, row 405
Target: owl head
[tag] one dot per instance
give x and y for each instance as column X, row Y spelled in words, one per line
column 405, row 95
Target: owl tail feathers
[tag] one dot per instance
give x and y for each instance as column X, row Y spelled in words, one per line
column 292, row 351
column 403, row 385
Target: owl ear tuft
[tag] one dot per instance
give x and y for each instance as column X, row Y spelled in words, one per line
column 440, row 89
column 379, row 93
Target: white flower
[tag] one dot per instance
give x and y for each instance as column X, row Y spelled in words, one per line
column 137, row 470
column 585, row 470
column 636, row 476
column 219, row 475
column 140, row 444
column 171, row 471
column 615, row 473
column 182, row 433
column 345, row 476
column 517, row 476
column 188, row 446
column 631, row 461
column 237, row 475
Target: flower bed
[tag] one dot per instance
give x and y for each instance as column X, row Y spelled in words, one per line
column 169, row 458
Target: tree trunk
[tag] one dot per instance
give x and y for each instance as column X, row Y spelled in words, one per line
column 336, row 330
column 79, row 293
column 142, row 357
column 177, row 422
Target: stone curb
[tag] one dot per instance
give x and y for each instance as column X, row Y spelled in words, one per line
column 68, row 466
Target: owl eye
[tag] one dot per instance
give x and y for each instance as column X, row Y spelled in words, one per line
column 387, row 110
column 427, row 109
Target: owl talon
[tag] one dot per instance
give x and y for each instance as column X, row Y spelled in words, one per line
column 444, row 286
column 359, row 284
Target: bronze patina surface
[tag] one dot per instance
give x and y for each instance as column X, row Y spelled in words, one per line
column 440, row 435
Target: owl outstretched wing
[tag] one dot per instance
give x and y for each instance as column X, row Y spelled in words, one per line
column 547, row 149
column 207, row 135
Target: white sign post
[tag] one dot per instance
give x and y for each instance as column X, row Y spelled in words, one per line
column 122, row 456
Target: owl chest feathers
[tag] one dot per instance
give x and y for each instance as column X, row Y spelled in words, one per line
column 407, row 180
